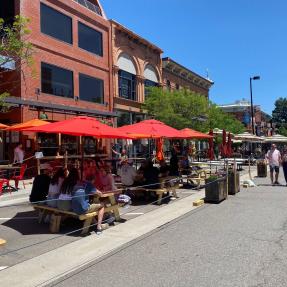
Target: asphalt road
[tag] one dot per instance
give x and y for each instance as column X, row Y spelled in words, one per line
column 240, row 242
column 26, row 238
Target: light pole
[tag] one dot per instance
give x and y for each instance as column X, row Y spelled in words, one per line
column 252, row 112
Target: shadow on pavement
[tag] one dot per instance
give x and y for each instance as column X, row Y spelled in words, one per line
column 30, row 225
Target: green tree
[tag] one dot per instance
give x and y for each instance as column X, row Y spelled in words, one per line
column 184, row 108
column 15, row 49
column 279, row 115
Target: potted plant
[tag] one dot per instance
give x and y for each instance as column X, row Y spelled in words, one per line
column 233, row 182
column 261, row 168
column 215, row 189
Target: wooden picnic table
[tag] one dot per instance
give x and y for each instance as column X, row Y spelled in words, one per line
column 56, row 214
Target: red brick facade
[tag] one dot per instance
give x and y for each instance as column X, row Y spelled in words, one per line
column 68, row 56
column 64, row 55
column 142, row 53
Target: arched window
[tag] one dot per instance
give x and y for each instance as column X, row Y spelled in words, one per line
column 151, row 78
column 127, row 77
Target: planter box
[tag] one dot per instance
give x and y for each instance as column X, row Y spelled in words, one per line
column 216, row 191
column 262, row 170
column 233, row 183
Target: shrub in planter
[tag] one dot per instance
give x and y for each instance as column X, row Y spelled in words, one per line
column 261, row 168
column 215, row 189
column 233, row 182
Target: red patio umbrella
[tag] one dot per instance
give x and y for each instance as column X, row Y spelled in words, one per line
column 29, row 124
column 151, row 129
column 229, row 145
column 189, row 133
column 81, row 126
column 223, row 147
column 211, row 147
column 159, row 149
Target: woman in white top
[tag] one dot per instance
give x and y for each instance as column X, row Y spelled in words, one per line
column 64, row 201
column 18, row 154
column 55, row 187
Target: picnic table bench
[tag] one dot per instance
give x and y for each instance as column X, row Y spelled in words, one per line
column 57, row 214
column 167, row 184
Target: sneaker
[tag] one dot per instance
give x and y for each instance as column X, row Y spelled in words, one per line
column 276, row 182
column 99, row 231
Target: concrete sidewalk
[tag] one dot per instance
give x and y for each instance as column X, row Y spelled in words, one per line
column 77, row 254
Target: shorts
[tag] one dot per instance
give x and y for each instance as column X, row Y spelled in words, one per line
column 274, row 167
column 94, row 207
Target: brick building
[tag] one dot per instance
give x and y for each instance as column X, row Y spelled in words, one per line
column 73, row 62
column 136, row 65
column 176, row 76
column 242, row 111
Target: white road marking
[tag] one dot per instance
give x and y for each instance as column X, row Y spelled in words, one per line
column 134, row 213
column 3, row 267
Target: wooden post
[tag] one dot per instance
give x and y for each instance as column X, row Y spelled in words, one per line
column 249, row 169
column 227, row 178
column 66, row 159
column 38, row 166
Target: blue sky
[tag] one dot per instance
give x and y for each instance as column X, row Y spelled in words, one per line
column 233, row 39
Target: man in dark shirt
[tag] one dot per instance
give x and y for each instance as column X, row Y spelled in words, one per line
column 41, row 184
column 151, row 175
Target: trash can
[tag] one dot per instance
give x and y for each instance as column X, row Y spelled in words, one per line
column 261, row 168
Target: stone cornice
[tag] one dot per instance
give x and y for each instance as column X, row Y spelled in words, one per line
column 184, row 73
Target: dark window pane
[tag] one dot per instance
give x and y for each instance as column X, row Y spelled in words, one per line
column 57, row 81
column 56, row 24
column 90, row 39
column 127, row 85
column 149, row 83
column 91, row 89
column 7, row 11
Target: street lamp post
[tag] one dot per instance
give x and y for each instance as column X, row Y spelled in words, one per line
column 252, row 111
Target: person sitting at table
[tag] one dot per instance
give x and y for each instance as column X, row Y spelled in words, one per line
column 64, row 201
column 151, row 175
column 105, row 180
column 127, row 173
column 18, row 154
column 184, row 165
column 41, row 184
column 80, row 200
column 164, row 169
column 174, row 168
column 55, row 186
column 122, row 155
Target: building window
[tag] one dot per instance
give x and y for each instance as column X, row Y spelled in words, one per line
column 56, row 24
column 168, row 85
column 7, row 12
column 90, row 39
column 57, row 81
column 148, row 84
column 91, row 6
column 91, row 89
column 127, row 85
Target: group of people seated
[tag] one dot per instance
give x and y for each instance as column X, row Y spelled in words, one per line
column 67, row 190
column 64, row 189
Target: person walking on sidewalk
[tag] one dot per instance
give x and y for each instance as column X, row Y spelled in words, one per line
column 284, row 162
column 274, row 159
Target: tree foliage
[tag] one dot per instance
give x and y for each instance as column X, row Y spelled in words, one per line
column 15, row 48
column 183, row 108
column 279, row 115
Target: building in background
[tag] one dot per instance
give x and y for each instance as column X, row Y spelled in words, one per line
column 136, row 65
column 73, row 62
column 176, row 76
column 242, row 111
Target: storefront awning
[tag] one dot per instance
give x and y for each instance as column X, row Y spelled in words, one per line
column 63, row 108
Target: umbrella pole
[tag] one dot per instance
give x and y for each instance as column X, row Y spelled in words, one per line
column 82, row 156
